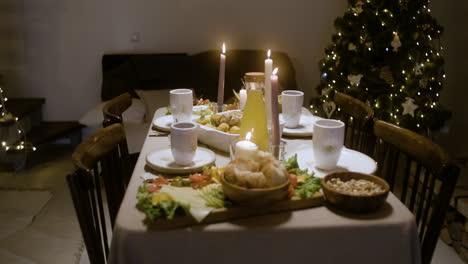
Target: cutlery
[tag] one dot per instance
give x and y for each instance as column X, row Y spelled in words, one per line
column 159, row 134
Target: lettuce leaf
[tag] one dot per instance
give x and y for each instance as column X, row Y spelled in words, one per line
column 311, row 184
column 309, row 187
column 167, row 209
column 291, row 163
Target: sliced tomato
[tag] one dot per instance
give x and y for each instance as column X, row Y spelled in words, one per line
column 160, row 180
column 293, row 179
column 152, row 188
column 196, row 177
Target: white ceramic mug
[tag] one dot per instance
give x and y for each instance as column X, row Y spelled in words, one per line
column 181, row 101
column 183, row 142
column 292, row 101
column 328, row 139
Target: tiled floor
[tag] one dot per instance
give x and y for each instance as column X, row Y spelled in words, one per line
column 54, row 235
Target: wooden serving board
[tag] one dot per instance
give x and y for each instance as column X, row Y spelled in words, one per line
column 233, row 213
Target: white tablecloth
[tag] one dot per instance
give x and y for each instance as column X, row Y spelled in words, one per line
column 315, row 235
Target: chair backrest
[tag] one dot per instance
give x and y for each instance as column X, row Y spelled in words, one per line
column 114, row 108
column 358, row 119
column 420, row 174
column 103, row 166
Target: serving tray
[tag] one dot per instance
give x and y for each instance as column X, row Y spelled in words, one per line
column 238, row 212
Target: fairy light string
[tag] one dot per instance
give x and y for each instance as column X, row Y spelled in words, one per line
column 396, row 49
column 12, row 121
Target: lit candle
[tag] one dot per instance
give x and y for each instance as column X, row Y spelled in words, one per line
column 242, row 98
column 222, row 67
column 268, row 70
column 275, row 129
column 246, row 149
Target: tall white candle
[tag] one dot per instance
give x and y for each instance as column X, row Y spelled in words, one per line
column 222, row 68
column 275, row 129
column 268, row 70
column 242, row 98
column 246, row 149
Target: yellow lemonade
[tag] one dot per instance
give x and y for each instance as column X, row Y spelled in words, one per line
column 254, row 120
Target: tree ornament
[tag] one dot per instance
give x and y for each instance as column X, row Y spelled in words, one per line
column 355, row 79
column 386, row 75
column 409, row 107
column 351, row 47
column 423, row 83
column 326, row 91
column 358, row 8
column 329, row 108
column 404, row 4
column 418, row 69
column 396, row 43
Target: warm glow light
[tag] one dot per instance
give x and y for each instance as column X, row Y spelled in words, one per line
column 248, row 136
column 268, row 53
column 224, row 48
column 275, row 71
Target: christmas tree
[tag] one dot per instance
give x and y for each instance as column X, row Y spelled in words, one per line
column 387, row 53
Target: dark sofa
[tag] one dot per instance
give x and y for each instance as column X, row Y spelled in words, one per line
column 150, row 71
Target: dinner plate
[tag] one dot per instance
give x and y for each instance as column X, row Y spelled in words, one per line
column 305, row 128
column 162, row 161
column 350, row 160
column 164, row 122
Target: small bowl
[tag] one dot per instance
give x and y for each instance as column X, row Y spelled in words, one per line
column 254, row 196
column 354, row 203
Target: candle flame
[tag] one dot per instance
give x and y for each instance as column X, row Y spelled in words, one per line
column 248, row 136
column 268, row 53
column 275, row 71
column 224, row 48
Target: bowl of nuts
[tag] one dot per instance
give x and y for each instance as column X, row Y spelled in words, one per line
column 355, row 192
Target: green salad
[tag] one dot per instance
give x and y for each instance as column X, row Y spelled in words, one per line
column 165, row 207
column 307, row 184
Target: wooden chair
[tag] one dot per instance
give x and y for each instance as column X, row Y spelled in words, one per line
column 420, row 174
column 113, row 109
column 103, row 166
column 358, row 119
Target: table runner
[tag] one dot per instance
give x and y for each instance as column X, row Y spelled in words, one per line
column 318, row 234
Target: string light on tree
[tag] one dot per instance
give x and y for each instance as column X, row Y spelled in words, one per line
column 395, row 66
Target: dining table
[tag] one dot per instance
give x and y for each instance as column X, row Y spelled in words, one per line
column 320, row 234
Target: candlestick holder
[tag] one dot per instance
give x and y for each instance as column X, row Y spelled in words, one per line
column 278, row 151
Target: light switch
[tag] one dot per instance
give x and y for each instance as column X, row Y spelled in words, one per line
column 135, row 37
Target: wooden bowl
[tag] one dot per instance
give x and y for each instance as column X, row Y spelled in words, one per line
column 254, row 196
column 354, row 203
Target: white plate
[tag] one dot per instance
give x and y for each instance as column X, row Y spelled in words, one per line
column 350, row 160
column 305, row 128
column 162, row 160
column 164, row 122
